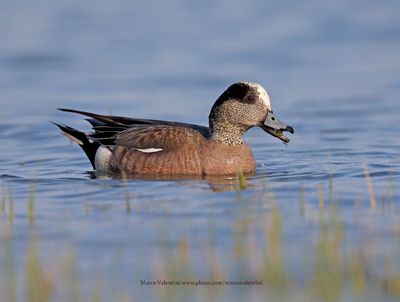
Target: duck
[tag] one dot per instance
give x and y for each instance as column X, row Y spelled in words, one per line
column 134, row 146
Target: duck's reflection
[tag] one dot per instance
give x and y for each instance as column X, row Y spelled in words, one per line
column 222, row 183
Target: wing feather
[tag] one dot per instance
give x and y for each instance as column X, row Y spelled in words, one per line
column 158, row 137
column 141, row 133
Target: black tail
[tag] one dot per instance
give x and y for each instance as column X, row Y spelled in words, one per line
column 90, row 147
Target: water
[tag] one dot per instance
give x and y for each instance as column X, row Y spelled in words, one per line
column 307, row 226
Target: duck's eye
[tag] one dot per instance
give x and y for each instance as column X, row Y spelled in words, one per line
column 273, row 118
column 250, row 98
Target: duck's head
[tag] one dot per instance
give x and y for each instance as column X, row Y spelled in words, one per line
column 242, row 106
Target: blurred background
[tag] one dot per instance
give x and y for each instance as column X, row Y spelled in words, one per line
column 318, row 221
column 126, row 56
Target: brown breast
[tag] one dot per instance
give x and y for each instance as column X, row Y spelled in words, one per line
column 219, row 158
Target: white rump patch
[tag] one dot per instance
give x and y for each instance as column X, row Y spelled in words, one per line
column 149, row 150
column 102, row 158
column 262, row 93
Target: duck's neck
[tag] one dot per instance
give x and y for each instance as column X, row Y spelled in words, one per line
column 227, row 134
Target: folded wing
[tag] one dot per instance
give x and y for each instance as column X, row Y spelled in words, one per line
column 141, row 133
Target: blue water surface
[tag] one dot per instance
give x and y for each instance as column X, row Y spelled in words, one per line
column 332, row 71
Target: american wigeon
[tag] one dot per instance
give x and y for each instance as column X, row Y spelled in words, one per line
column 141, row 146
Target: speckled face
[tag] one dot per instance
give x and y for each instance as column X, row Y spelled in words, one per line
column 242, row 106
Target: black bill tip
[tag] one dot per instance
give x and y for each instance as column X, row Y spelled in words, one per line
column 289, row 129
